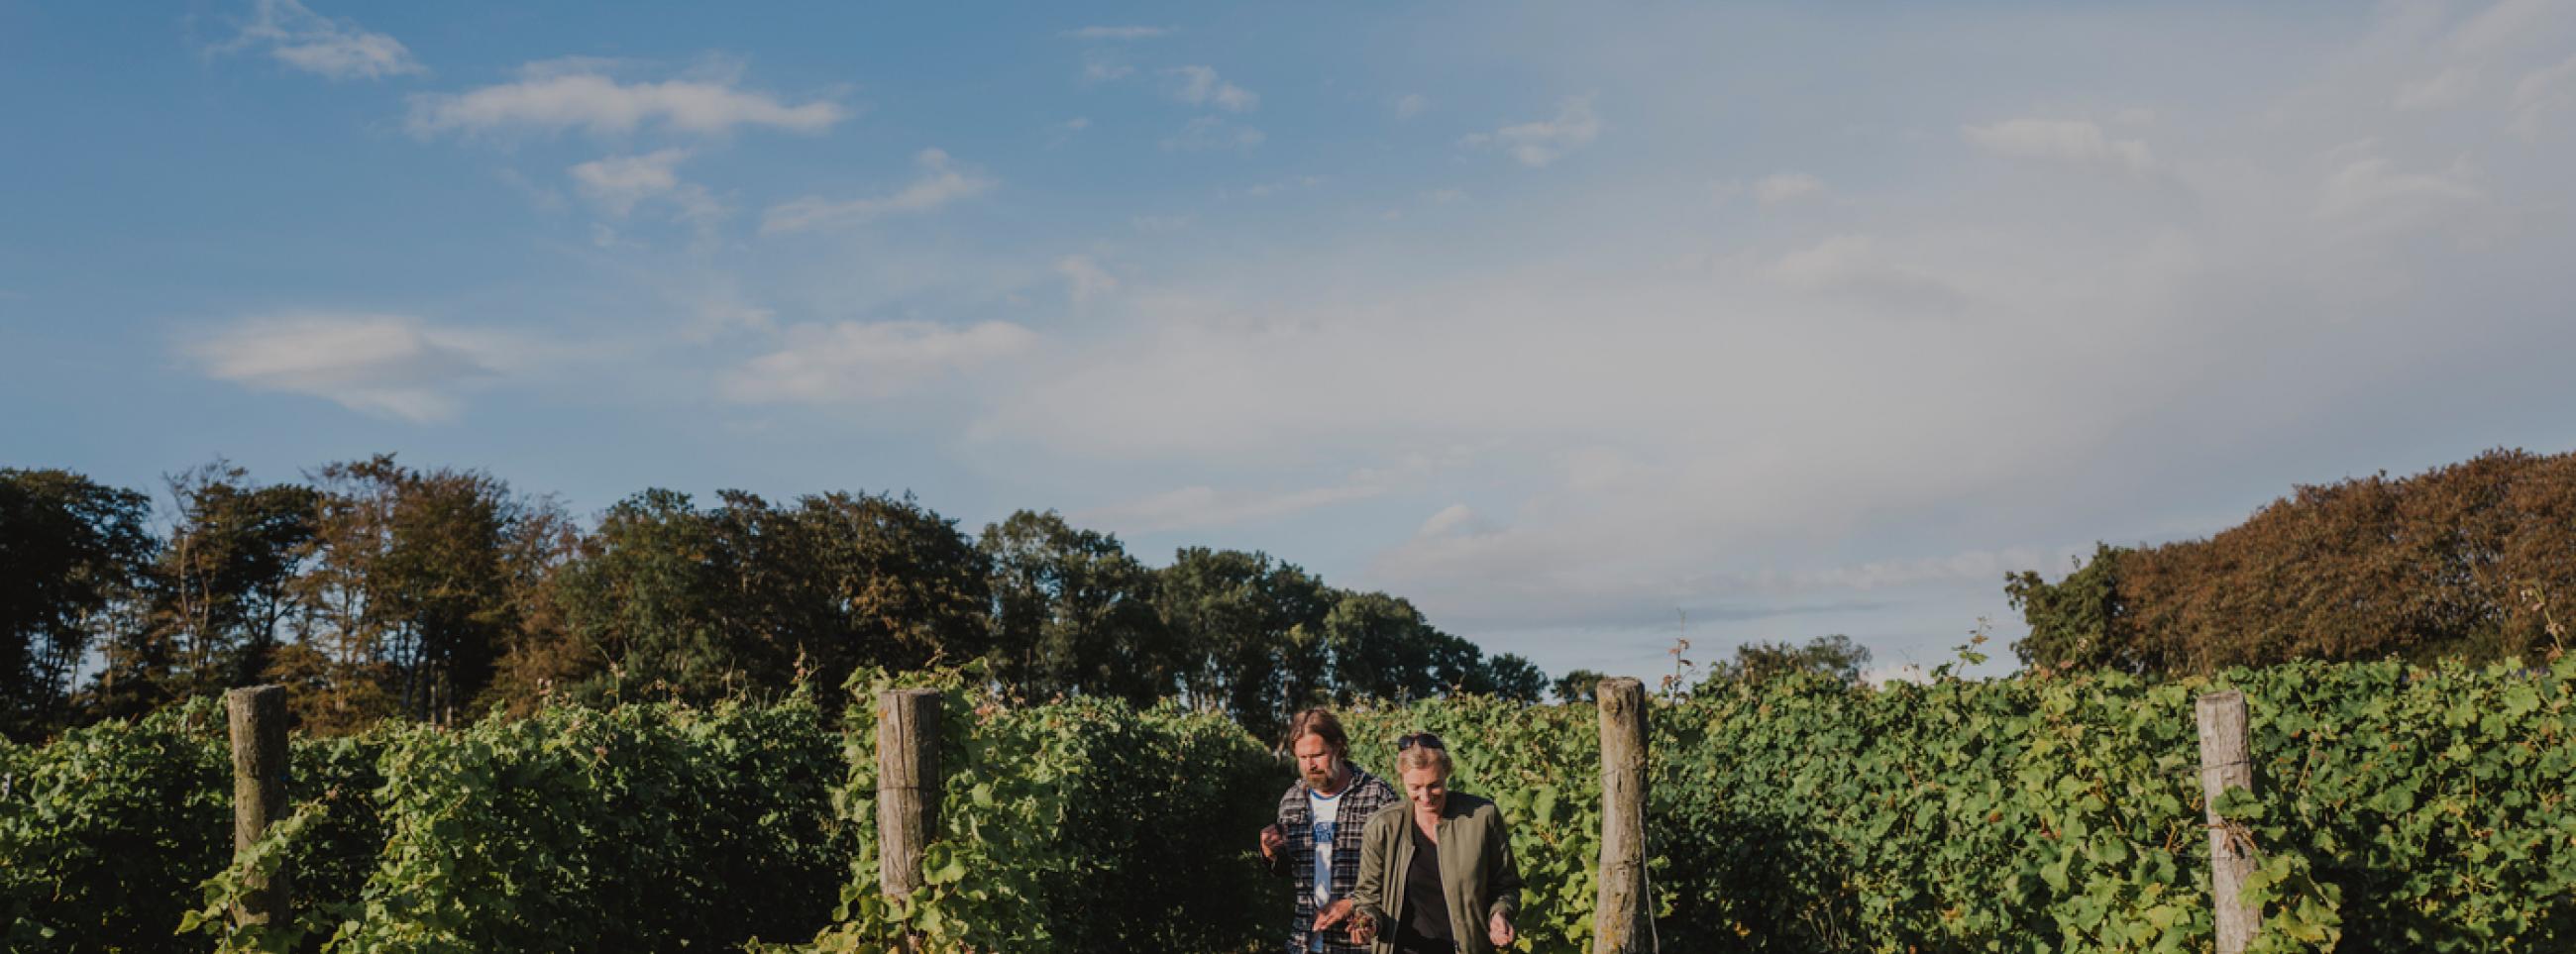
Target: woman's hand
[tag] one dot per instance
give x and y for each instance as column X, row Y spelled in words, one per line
column 1500, row 931
column 1363, row 931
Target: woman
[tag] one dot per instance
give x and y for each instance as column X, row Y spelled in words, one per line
column 1436, row 873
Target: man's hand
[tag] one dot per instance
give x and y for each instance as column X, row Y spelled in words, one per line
column 1333, row 915
column 1272, row 839
column 1500, row 931
column 1363, row 930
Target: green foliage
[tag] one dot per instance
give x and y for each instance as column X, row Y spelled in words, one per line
column 645, row 827
column 105, row 833
column 1834, row 657
column 1541, row 766
column 1081, row 826
column 2436, row 800
column 70, row 550
column 2395, row 808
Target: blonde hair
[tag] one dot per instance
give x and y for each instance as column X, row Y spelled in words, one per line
column 1422, row 757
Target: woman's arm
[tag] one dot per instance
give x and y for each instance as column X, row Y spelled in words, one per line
column 1377, row 853
column 1504, row 878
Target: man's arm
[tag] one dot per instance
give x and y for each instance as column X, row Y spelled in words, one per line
column 1274, row 850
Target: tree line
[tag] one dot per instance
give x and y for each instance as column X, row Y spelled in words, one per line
column 2475, row 559
column 374, row 589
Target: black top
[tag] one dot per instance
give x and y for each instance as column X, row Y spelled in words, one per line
column 1426, row 909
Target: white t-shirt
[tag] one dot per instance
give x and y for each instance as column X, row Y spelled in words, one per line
column 1328, row 813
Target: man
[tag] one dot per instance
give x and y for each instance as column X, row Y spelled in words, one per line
column 1316, row 841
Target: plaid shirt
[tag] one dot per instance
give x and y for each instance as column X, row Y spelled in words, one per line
column 1362, row 798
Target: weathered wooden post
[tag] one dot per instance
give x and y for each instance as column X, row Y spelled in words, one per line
column 1621, row 922
column 2225, row 763
column 258, row 717
column 907, row 785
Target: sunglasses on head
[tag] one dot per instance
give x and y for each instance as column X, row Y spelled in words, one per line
column 1423, row 739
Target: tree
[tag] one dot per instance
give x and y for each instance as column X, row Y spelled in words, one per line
column 848, row 580
column 1834, row 656
column 71, row 551
column 1252, row 630
column 2079, row 619
column 1578, row 686
column 2456, row 561
column 217, row 595
column 1509, row 676
column 413, row 592
column 1074, row 614
column 650, row 599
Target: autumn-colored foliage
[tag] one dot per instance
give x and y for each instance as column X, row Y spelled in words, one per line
column 2462, row 560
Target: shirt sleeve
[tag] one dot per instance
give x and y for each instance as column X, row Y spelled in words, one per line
column 1506, row 880
column 1377, row 850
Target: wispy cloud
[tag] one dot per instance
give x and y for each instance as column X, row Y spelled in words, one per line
column 1538, row 144
column 2075, row 142
column 2541, row 92
column 2372, row 192
column 1120, row 32
column 1084, row 278
column 391, row 365
column 308, row 41
column 941, row 182
column 549, row 97
column 852, row 360
column 1854, row 265
column 1786, row 187
column 1211, row 132
column 1200, row 86
column 1409, row 105
column 619, row 183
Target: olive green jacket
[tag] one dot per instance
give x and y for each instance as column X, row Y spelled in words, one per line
column 1477, row 872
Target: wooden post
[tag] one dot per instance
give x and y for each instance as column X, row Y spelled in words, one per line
column 258, row 717
column 1621, row 921
column 2225, row 763
column 907, row 785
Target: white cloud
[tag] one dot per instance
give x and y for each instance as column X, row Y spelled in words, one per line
column 1119, row 32
column 853, row 360
column 1786, row 187
column 2373, row 190
column 2072, row 141
column 1537, row 144
column 1283, row 185
column 390, row 365
column 1098, row 67
column 2547, row 90
column 1202, row 507
column 1085, row 278
column 1853, row 264
column 1211, row 132
column 338, row 49
column 1200, row 86
column 618, row 183
column 2510, row 23
column 1410, row 105
column 1453, row 520
column 941, row 182
column 2446, row 88
column 577, row 95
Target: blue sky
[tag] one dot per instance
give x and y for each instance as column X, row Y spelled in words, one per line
column 1564, row 321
